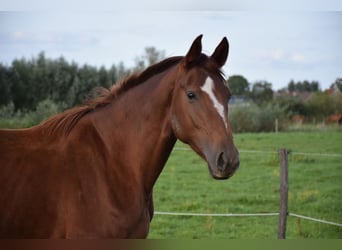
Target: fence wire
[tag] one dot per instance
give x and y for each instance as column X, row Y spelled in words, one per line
column 215, row 215
column 272, row 152
column 246, row 215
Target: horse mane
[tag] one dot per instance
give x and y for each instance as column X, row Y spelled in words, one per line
column 65, row 121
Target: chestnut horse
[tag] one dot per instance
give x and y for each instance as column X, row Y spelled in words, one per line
column 89, row 172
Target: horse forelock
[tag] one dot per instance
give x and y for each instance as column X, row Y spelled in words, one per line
column 210, row 66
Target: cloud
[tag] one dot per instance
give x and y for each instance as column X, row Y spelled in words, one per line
column 41, row 38
column 29, row 37
column 298, row 58
column 17, row 36
column 277, row 55
column 283, row 57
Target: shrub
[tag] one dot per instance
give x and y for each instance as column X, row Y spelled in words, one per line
column 9, row 118
column 253, row 118
column 44, row 110
column 322, row 105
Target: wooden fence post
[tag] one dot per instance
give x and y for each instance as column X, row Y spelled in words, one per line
column 283, row 193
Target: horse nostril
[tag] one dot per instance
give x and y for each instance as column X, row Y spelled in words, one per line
column 222, row 161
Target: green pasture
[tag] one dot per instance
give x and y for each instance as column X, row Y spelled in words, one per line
column 315, row 188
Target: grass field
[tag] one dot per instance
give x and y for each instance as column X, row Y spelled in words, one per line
column 314, row 190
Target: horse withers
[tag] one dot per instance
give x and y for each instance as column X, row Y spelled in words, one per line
column 89, row 172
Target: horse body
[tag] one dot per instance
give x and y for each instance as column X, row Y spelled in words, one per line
column 90, row 172
column 83, row 171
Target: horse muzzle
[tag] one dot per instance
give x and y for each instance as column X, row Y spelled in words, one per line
column 223, row 165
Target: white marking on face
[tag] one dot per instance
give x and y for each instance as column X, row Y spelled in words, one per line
column 208, row 88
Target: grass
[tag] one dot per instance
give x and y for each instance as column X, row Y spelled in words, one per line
column 314, row 190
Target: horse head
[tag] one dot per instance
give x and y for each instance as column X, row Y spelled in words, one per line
column 199, row 111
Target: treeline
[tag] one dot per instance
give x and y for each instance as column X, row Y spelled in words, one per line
column 26, row 83
column 302, row 86
column 256, row 107
column 33, row 89
column 261, row 91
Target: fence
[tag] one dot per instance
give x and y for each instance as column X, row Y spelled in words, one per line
column 283, row 210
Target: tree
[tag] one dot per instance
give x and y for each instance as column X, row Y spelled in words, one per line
column 238, row 85
column 22, row 84
column 151, row 56
column 63, row 77
column 314, row 86
column 88, row 80
column 337, row 83
column 104, row 78
column 5, row 86
column 291, row 86
column 112, row 75
column 262, row 92
column 304, row 86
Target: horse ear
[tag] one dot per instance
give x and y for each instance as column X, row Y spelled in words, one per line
column 221, row 52
column 194, row 51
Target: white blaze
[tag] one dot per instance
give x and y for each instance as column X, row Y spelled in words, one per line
column 208, row 87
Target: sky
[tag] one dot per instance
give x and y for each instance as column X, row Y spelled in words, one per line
column 291, row 40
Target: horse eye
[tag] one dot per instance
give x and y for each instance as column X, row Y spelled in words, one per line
column 191, row 95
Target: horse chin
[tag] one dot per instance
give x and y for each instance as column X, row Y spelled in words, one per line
column 220, row 178
column 218, row 175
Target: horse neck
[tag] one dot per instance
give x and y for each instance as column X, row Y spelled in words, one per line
column 142, row 132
